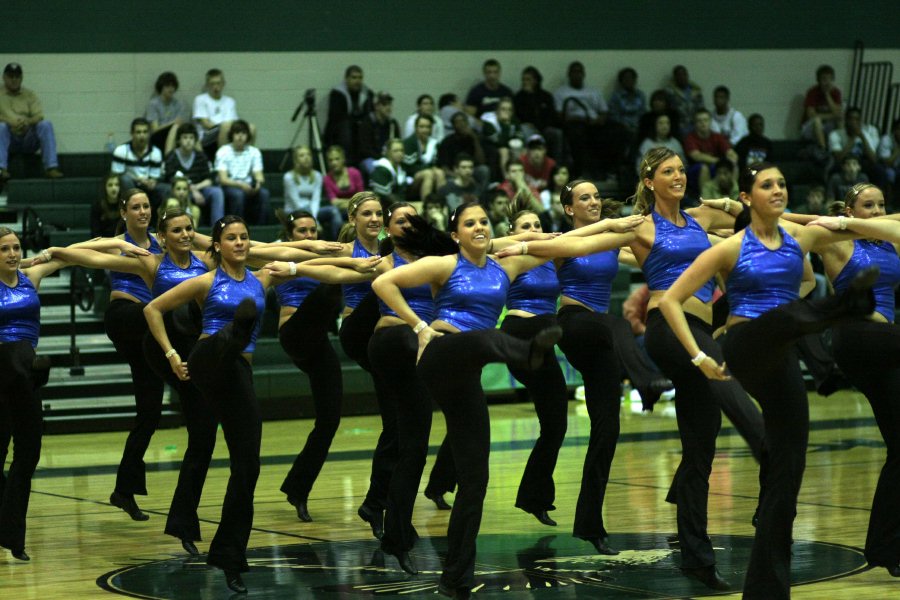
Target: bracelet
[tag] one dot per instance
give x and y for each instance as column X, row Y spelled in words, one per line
column 842, row 223
column 45, row 254
column 524, row 248
column 727, row 206
column 698, row 360
column 171, row 353
column 419, row 327
column 293, row 268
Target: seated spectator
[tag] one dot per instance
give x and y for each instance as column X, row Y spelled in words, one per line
column 662, row 137
column 389, row 181
column 725, row 119
column 685, row 97
column 536, row 111
column 814, row 203
column 498, row 213
column 180, row 198
column 105, row 215
column 166, row 113
column 184, row 160
column 215, row 113
column 822, row 108
column 860, row 140
column 420, row 159
column 240, row 170
column 850, row 174
column 754, row 147
column 139, row 164
column 341, row 182
column 724, row 184
column 303, row 191
column 501, row 129
column 627, row 104
column 515, row 182
column 704, row 149
column 435, row 210
column 659, row 105
column 448, row 106
column 22, row 125
column 550, row 199
column 348, row 104
column 463, row 140
column 462, row 187
column 424, row 106
column 375, row 130
column 889, row 155
column 537, row 165
column 485, row 96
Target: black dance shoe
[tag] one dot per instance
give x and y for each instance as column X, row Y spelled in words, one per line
column 460, row 592
column 544, row 518
column 708, row 576
column 127, row 503
column 234, row 582
column 20, row 555
column 189, row 547
column 650, row 394
column 438, row 500
column 375, row 519
column 302, row 512
column 601, row 545
column 404, row 559
column 893, row 570
column 542, row 343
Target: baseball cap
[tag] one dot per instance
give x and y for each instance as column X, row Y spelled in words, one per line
column 535, row 141
column 12, row 69
column 383, row 98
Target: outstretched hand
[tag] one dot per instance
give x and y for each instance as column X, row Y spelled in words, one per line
column 367, row 264
column 832, row 223
column 516, row 249
column 625, row 224
column 325, row 247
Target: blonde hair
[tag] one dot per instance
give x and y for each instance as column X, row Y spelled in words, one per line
column 850, row 198
column 643, row 196
column 348, row 230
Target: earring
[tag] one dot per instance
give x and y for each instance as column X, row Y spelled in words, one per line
column 651, row 188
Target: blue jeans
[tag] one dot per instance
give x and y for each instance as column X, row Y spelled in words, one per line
column 254, row 209
column 38, row 136
column 330, row 220
column 215, row 202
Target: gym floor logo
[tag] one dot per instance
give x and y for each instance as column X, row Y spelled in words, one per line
column 508, row 566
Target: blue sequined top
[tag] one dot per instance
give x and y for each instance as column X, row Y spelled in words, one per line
column 763, row 279
column 295, row 291
column 535, row 291
column 883, row 255
column 419, row 298
column 673, row 251
column 20, row 312
column 224, row 296
column 168, row 274
column 588, row 279
column 130, row 283
column 474, row 296
column 355, row 292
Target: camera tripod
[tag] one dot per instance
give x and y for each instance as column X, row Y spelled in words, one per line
column 311, row 122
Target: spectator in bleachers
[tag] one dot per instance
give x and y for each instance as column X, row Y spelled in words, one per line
column 215, row 113
column 889, row 155
column 450, row 104
column 659, row 105
column 627, row 104
column 822, row 108
column 180, row 198
column 726, row 120
column 662, row 137
column 240, row 170
column 303, row 191
column 704, row 149
column 724, row 184
column 349, row 103
column 516, row 182
column 498, row 213
column 550, row 199
column 23, row 127
column 685, row 97
column 420, row 158
column 424, row 106
column 754, row 147
column 341, row 182
column 501, row 129
column 139, row 164
column 375, row 130
column 814, row 204
column 463, row 140
column 195, row 166
column 537, row 165
column 485, row 96
column 166, row 113
column 435, row 210
column 861, row 140
column 389, row 181
column 536, row 111
column 462, row 187
column 105, row 217
column 849, row 175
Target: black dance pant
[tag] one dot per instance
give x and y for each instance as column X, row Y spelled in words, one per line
column 450, row 368
column 126, row 327
column 869, row 354
column 225, row 379
column 762, row 355
column 547, row 388
column 304, row 337
column 588, row 343
column 392, row 353
column 442, row 479
column 199, row 419
column 24, row 420
column 356, row 331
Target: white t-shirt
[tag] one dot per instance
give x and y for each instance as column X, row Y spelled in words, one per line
column 240, row 166
column 217, row 111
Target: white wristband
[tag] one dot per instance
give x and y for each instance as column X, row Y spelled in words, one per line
column 293, row 268
column 419, row 327
column 698, row 360
column 171, row 353
column 842, row 223
column 524, row 248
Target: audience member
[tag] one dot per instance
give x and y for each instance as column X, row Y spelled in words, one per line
column 662, row 137
column 659, row 105
column 105, row 216
column 462, row 187
column 425, row 106
column 725, row 119
column 349, row 103
column 704, row 149
column 501, row 129
column 435, row 210
column 23, row 127
column 754, row 147
column 889, row 155
column 484, row 96
column 463, row 140
column 515, row 182
column 537, row 165
column 685, row 97
column 420, row 158
column 536, row 111
column 139, row 164
column 448, row 106
column 180, row 198
column 375, row 130
column 389, row 181
column 341, row 181
column 850, row 174
column 215, row 113
column 814, row 204
column 627, row 104
column 822, row 108
column 303, row 191
column 724, row 184
column 240, row 170
column 166, row 112
column 498, row 213
column 860, row 140
column 186, row 161
column 550, row 199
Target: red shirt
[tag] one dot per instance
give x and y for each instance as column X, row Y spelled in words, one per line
column 537, row 177
column 716, row 144
column 815, row 97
